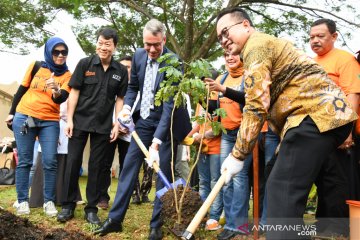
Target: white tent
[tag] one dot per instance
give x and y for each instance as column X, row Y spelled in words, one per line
column 13, row 67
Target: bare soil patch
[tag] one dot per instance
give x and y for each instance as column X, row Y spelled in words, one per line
column 13, row 227
column 192, row 203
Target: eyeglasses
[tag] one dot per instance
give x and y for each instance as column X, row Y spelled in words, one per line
column 155, row 45
column 225, row 32
column 56, row 53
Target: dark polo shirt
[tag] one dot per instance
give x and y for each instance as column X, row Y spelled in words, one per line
column 98, row 92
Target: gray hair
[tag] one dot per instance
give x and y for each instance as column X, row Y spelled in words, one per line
column 155, row 26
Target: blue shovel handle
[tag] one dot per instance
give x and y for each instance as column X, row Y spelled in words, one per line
column 164, row 179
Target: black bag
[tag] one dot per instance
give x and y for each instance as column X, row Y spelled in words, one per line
column 7, row 175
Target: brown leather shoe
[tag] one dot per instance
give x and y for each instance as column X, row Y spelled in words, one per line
column 103, row 204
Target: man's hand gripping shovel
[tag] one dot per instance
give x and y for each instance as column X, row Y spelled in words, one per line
column 127, row 122
column 157, row 169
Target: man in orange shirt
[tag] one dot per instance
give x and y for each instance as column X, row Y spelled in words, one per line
column 344, row 70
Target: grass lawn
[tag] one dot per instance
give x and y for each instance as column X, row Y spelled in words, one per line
column 135, row 225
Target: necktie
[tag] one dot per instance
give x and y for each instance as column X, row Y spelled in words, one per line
column 147, row 95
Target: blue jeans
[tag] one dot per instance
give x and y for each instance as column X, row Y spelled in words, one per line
column 209, row 172
column 236, row 193
column 48, row 133
column 271, row 142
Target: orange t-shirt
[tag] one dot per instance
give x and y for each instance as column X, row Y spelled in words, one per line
column 37, row 102
column 232, row 108
column 212, row 143
column 344, row 70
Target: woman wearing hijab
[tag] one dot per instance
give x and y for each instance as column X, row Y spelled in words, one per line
column 35, row 113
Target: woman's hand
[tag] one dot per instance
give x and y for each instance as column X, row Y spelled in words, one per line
column 50, row 83
column 214, row 86
column 9, row 119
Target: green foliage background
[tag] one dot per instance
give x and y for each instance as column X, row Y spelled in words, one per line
column 190, row 24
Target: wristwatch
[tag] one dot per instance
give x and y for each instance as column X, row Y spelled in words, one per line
column 58, row 92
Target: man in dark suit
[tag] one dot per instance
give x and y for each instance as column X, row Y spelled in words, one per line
column 153, row 127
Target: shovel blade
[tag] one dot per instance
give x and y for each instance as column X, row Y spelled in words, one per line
column 162, row 191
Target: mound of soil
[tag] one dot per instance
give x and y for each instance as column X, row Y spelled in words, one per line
column 14, row 228
column 191, row 204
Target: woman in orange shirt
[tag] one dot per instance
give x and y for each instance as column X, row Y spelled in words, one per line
column 37, row 106
column 209, row 167
column 236, row 193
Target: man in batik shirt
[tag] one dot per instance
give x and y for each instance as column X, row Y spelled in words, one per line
column 301, row 104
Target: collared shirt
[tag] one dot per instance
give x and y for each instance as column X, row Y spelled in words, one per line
column 284, row 85
column 154, row 69
column 98, row 92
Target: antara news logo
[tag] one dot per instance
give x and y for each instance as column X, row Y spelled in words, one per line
column 302, row 230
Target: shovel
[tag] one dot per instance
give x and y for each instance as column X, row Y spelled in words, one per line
column 190, row 230
column 157, row 169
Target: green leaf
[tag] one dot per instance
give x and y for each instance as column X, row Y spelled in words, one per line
column 220, row 112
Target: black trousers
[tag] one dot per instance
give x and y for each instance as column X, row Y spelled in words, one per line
column 37, row 186
column 303, row 154
column 105, row 175
column 144, row 188
column 98, row 147
column 333, row 190
column 342, row 173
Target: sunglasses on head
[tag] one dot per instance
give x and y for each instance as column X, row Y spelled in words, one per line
column 56, row 53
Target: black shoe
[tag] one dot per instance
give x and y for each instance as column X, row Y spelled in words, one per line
column 227, row 234
column 136, row 199
column 155, row 234
column 65, row 215
column 145, row 199
column 91, row 217
column 109, row 226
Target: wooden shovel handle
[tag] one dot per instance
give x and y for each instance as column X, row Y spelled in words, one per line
column 144, row 150
column 206, row 205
